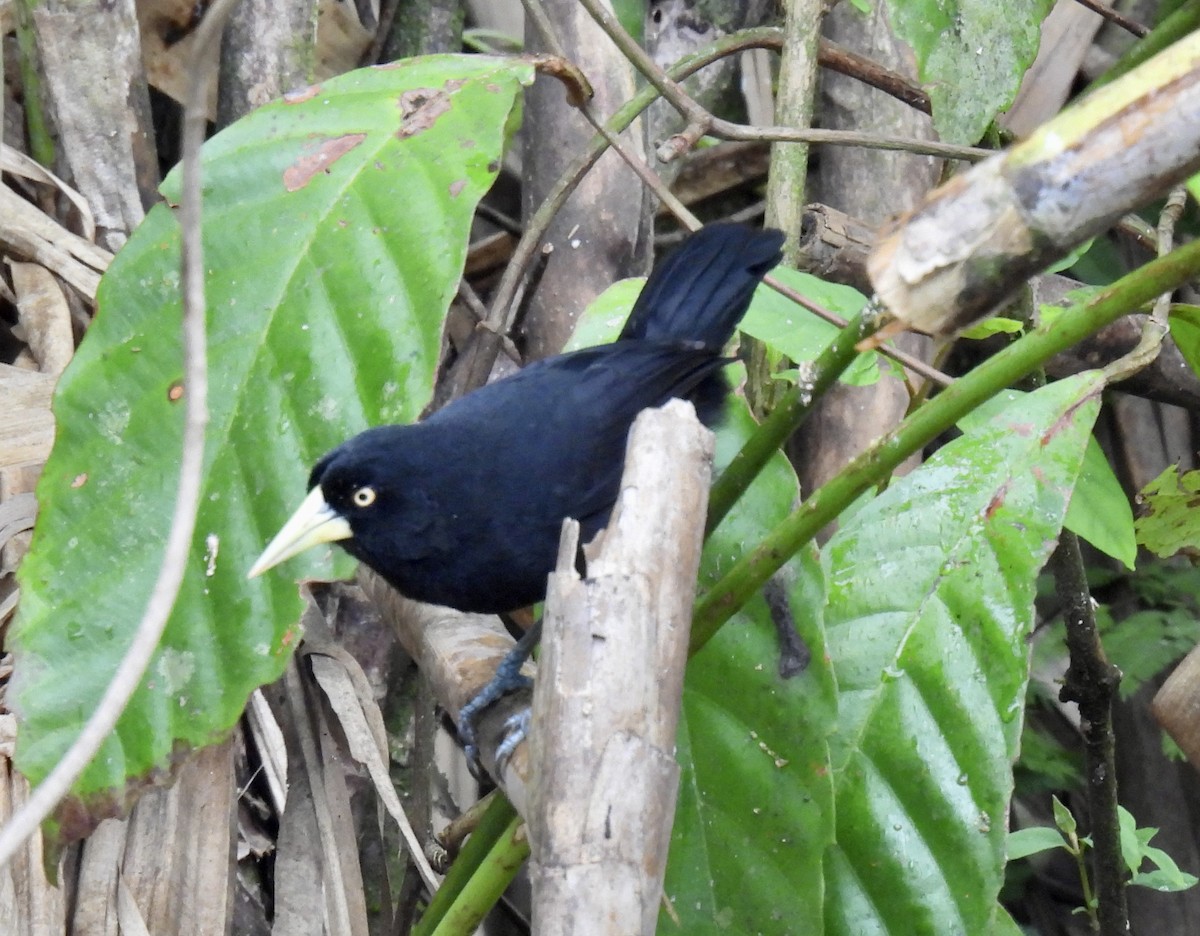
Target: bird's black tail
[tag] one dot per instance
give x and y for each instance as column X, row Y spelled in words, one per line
column 701, row 290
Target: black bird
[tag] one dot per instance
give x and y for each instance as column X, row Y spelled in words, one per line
column 465, row 508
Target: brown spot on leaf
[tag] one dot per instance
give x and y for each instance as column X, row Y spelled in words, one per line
column 79, row 480
column 301, row 172
column 997, row 502
column 420, row 108
column 303, row 94
column 456, row 187
column 1065, row 420
column 175, row 392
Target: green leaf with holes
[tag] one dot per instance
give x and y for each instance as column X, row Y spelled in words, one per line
column 335, row 231
column 1170, row 522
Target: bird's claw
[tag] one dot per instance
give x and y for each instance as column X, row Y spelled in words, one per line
column 505, row 681
column 516, row 730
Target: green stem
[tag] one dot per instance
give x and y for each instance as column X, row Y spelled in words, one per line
column 474, row 873
column 1183, row 21
column 41, row 144
column 787, row 176
column 876, row 463
column 1089, row 899
column 788, row 415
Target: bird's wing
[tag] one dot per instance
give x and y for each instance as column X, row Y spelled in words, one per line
column 506, row 464
column 578, row 412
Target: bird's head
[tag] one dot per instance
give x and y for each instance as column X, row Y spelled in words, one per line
column 344, row 498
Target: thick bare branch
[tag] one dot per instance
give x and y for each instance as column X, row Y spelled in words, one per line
column 606, row 704
column 979, row 237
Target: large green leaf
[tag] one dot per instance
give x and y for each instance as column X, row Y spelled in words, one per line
column 971, row 56
column 335, row 233
column 931, row 589
column 755, row 809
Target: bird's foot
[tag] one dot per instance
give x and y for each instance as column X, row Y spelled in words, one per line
column 507, row 679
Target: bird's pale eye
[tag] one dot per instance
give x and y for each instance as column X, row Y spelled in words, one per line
column 364, row 497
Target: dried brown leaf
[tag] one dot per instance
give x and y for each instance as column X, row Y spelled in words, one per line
column 44, row 316
column 30, row 234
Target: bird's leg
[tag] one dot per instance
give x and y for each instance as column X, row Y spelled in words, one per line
column 508, row 678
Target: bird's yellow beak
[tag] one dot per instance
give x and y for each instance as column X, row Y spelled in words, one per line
column 313, row 523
